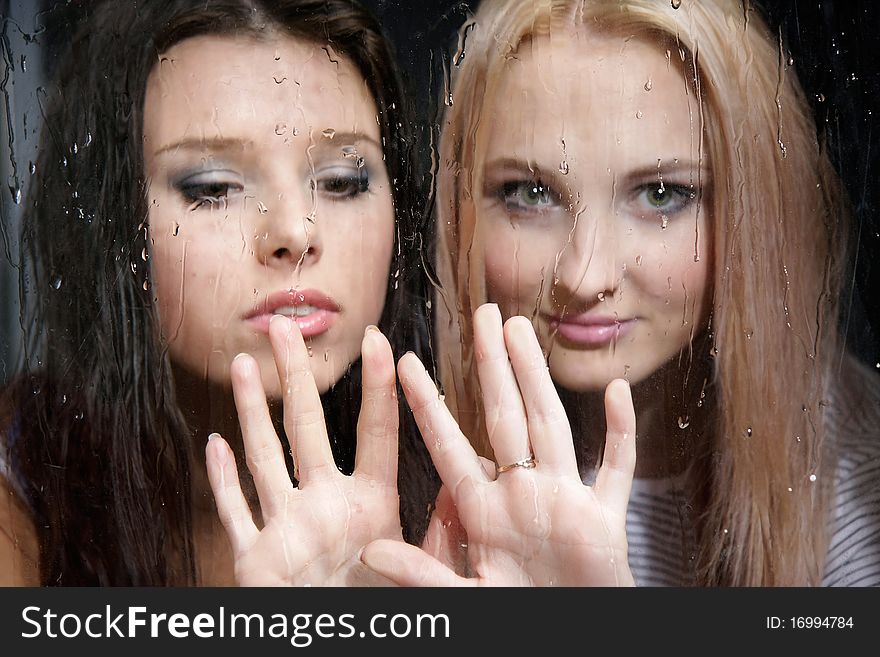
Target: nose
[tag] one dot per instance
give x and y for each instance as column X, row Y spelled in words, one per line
column 288, row 233
column 589, row 267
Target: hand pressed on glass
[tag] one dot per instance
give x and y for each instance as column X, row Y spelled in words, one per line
column 538, row 525
column 311, row 533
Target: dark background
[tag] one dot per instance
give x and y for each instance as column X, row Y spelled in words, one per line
column 834, row 45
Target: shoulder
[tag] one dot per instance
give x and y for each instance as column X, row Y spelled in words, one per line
column 19, row 547
column 854, row 426
column 19, row 553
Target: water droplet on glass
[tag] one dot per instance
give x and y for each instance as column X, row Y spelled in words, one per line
column 748, row 431
column 280, row 128
column 56, row 282
column 144, row 255
column 176, row 230
column 683, row 421
column 812, row 477
column 563, row 168
column 262, row 208
column 676, row 4
column 88, row 138
column 649, row 84
column 146, row 286
column 638, row 261
column 32, row 167
column 329, row 133
column 15, row 190
column 639, row 114
column 601, row 296
column 664, row 221
column 749, row 333
column 23, row 64
column 790, row 489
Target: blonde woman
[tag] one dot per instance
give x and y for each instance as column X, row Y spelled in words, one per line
column 642, row 180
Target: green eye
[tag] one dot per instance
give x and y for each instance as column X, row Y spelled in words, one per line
column 658, row 196
column 527, row 196
column 535, row 194
column 666, row 198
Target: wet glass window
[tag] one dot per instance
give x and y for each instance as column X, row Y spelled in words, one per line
column 226, row 225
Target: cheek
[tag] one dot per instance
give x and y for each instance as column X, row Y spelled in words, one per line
column 363, row 262
column 516, row 265
column 189, row 271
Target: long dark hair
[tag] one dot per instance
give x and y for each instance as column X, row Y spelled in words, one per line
column 97, row 437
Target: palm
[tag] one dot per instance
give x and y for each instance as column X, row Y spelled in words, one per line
column 537, row 525
column 312, row 533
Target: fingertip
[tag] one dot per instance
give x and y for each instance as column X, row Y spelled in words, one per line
column 408, row 367
column 487, row 310
column 374, row 342
column 216, row 450
column 242, row 365
column 619, row 388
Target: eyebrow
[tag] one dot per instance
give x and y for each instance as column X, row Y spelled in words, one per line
column 673, row 167
column 222, row 144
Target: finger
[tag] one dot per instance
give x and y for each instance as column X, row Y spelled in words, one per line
column 303, row 412
column 549, row 429
column 502, row 401
column 262, row 448
column 232, row 508
column 451, row 452
column 614, row 479
column 407, row 565
column 376, row 456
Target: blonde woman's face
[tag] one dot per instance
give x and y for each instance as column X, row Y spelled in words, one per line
column 594, row 205
column 268, row 195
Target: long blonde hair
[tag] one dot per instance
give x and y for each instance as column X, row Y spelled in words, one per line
column 777, row 220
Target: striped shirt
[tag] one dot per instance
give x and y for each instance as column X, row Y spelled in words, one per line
column 660, row 522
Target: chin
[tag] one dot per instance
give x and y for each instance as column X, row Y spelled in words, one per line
column 581, row 373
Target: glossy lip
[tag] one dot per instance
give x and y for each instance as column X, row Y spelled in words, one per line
column 590, row 330
column 310, row 325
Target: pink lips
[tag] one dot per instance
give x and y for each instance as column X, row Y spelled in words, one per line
column 324, row 311
column 591, row 330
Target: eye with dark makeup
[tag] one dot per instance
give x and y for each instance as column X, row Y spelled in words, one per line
column 207, row 189
column 342, row 183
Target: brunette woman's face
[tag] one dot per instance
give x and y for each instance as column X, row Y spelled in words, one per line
column 594, row 205
column 268, row 195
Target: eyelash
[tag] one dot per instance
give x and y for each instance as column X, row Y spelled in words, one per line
column 198, row 193
column 209, row 192
column 682, row 197
column 353, row 184
column 511, row 194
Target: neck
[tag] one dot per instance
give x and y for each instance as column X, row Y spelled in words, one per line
column 209, row 408
column 672, row 419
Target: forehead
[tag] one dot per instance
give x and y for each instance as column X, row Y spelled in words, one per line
column 223, row 86
column 611, row 91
